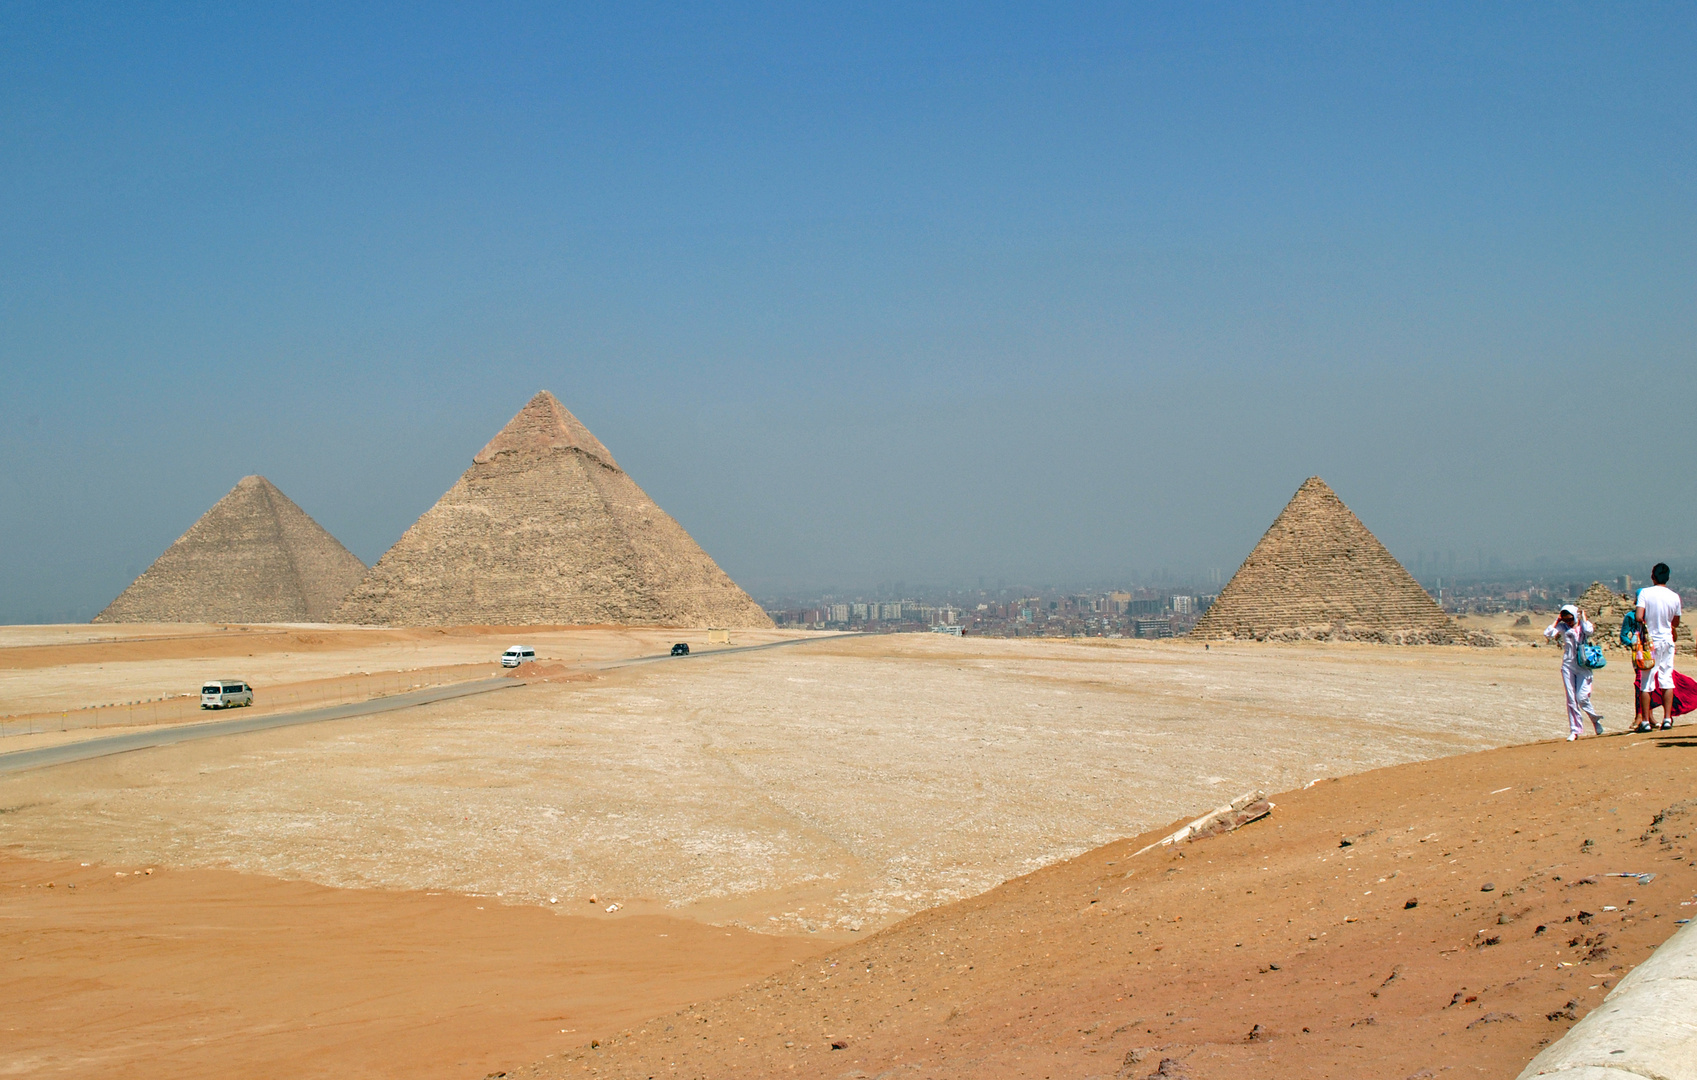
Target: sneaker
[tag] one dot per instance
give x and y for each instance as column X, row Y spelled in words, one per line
column 1643, row 726
column 1597, row 722
column 1666, row 724
column 1571, row 737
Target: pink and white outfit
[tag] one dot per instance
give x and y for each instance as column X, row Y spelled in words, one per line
column 1575, row 677
column 1660, row 605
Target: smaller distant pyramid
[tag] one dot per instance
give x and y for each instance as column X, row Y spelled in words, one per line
column 1606, row 609
column 1318, row 573
column 255, row 557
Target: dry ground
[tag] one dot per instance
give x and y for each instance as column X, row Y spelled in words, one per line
column 830, row 787
column 1451, row 915
column 821, row 791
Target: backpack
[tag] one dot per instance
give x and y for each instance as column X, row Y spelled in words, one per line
column 1591, row 656
column 1629, row 629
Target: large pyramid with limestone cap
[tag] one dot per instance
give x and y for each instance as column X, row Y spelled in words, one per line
column 546, row 528
column 1318, row 573
column 254, row 557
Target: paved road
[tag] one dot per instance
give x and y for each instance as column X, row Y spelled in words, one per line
column 705, row 653
column 42, row 757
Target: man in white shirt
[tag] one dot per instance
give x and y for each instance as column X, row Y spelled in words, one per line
column 1658, row 614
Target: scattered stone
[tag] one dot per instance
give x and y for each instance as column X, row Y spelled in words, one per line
column 1410, row 903
column 1488, row 887
column 1570, row 1011
column 1169, row 1067
column 1492, row 1018
column 1256, row 1033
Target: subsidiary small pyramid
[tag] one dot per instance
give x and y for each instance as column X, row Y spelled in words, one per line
column 1318, row 573
column 545, row 528
column 255, row 557
column 1606, row 610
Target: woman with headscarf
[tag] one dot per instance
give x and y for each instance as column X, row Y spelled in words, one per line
column 1573, row 629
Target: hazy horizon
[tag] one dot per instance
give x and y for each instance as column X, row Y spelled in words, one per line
column 890, row 295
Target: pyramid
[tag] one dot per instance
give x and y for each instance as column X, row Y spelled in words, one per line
column 254, row 557
column 1318, row 573
column 545, row 528
column 1605, row 608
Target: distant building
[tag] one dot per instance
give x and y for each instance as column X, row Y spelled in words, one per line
column 858, row 610
column 1183, row 605
column 890, row 612
column 1152, row 628
column 840, row 613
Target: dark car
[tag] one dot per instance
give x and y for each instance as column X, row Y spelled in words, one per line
column 680, row 649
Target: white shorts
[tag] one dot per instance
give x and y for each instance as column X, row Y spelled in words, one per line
column 1660, row 676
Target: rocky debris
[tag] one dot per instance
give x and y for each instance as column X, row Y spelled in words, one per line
column 254, row 557
column 1662, row 825
column 545, row 528
column 1319, row 574
column 1570, row 1011
column 1492, row 1018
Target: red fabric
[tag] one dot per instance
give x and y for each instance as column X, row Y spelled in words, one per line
column 1684, row 692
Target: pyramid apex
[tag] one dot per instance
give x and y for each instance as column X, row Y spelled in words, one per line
column 543, row 425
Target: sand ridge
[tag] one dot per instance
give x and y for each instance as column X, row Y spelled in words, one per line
column 1402, row 922
column 146, row 971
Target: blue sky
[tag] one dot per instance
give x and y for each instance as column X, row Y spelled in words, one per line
column 903, row 292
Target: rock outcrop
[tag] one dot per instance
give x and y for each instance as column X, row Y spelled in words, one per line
column 1318, row 573
column 545, row 528
column 255, row 557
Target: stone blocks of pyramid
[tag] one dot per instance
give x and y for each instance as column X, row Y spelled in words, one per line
column 255, row 557
column 1318, row 573
column 545, row 528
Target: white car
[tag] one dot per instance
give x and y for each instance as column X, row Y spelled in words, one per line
column 225, row 694
column 518, row 654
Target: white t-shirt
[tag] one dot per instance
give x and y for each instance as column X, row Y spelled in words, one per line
column 1660, row 605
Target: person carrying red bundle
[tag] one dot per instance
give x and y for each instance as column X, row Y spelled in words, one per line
column 1658, row 622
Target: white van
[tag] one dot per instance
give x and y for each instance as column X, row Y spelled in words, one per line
column 225, row 694
column 518, row 654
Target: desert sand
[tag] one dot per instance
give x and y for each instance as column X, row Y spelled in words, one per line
column 1405, row 922
column 815, row 793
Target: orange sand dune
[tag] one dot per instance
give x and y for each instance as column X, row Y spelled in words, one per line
column 1445, row 914
column 206, row 973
